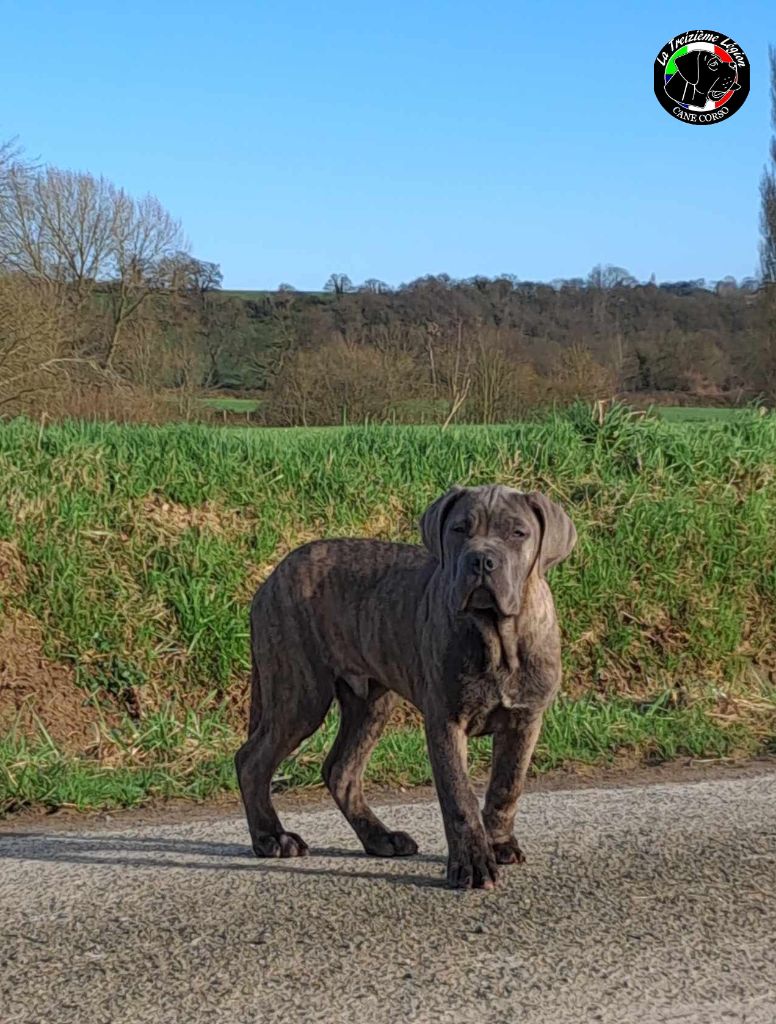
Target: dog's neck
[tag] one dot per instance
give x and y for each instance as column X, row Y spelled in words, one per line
column 503, row 636
column 499, row 637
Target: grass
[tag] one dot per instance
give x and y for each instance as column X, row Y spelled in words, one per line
column 591, row 731
column 423, row 410
column 230, row 404
column 700, row 414
column 136, row 551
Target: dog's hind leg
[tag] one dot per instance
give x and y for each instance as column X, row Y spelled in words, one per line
column 279, row 732
column 363, row 720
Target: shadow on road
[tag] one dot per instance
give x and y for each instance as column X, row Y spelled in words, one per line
column 138, row 852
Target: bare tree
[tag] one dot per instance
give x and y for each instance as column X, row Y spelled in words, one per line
column 143, row 237
column 11, row 160
column 339, row 284
column 29, row 347
column 375, row 286
column 578, row 375
column 766, row 356
column 455, row 368
column 768, row 192
column 76, row 234
column 608, row 276
column 50, row 252
column 339, row 383
column 55, row 229
column 185, row 273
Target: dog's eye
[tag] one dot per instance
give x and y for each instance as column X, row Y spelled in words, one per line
column 460, row 528
column 713, row 65
column 519, row 532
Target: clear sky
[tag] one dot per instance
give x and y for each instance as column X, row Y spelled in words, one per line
column 391, row 140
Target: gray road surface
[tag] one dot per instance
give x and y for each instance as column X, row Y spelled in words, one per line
column 647, row 904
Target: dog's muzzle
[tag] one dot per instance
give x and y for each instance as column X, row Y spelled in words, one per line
column 481, row 599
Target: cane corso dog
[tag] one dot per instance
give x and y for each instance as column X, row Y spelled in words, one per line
column 701, row 76
column 464, row 629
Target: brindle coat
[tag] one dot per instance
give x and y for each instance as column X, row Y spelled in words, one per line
column 465, row 630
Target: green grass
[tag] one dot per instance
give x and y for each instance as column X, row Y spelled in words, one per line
column 231, row 404
column 429, row 411
column 139, row 549
column 699, row 413
column 591, row 731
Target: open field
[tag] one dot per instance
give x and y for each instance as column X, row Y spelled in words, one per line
column 128, row 556
column 231, row 404
column 700, row 413
column 423, row 410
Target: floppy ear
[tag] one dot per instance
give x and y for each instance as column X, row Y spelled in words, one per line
column 558, row 535
column 688, row 66
column 432, row 522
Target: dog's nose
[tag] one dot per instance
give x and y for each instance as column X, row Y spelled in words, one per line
column 482, row 562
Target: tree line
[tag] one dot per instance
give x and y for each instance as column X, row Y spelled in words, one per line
column 492, row 347
column 105, row 311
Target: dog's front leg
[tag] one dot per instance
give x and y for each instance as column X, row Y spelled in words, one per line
column 512, row 751
column 471, row 863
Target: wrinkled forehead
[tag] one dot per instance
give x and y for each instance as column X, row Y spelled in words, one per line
column 493, row 503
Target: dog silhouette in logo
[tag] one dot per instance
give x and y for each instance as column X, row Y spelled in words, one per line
column 701, row 76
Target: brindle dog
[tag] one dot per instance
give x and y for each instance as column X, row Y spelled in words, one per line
column 465, row 630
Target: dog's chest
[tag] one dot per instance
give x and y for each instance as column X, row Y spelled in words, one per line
column 488, row 686
column 485, row 698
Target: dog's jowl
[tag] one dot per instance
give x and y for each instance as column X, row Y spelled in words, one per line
column 464, row 628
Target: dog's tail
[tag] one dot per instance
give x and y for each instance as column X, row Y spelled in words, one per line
column 255, row 712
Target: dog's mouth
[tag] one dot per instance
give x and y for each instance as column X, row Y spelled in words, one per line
column 481, row 601
column 717, row 94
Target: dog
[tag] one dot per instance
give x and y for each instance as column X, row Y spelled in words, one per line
column 464, row 628
column 701, row 76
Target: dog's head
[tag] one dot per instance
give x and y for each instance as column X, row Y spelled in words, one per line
column 490, row 540
column 710, row 75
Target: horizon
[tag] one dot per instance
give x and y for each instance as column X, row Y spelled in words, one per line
column 704, row 284
column 293, row 144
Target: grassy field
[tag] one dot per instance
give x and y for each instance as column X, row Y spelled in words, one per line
column 700, row 413
column 128, row 556
column 230, row 404
column 424, row 411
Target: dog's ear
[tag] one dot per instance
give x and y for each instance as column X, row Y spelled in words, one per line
column 432, row 522
column 558, row 534
column 689, row 66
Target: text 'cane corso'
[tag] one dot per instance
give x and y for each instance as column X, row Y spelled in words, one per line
column 465, row 630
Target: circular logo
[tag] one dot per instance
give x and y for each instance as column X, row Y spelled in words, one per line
column 701, row 77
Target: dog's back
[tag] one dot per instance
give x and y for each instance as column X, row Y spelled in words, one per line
column 321, row 615
column 325, row 569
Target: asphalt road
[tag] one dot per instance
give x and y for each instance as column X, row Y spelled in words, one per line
column 647, row 904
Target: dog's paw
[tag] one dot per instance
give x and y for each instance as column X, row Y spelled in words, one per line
column 472, row 865
column 280, row 844
column 508, row 852
column 390, row 844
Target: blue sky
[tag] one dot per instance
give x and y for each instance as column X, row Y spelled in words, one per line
column 393, row 140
